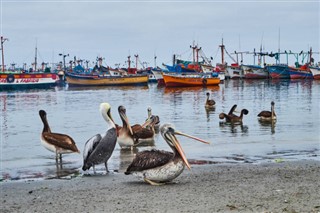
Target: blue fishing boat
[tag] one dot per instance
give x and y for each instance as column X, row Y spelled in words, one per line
column 278, row 71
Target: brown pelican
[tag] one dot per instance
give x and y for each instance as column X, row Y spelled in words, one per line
column 230, row 117
column 146, row 132
column 99, row 148
column 125, row 134
column 267, row 115
column 158, row 166
column 56, row 142
column 210, row 104
column 157, row 124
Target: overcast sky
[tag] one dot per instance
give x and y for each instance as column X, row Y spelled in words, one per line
column 116, row 29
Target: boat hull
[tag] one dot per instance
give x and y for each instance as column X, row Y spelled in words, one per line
column 278, row 71
column 189, row 80
column 254, row 72
column 315, row 72
column 90, row 80
column 27, row 80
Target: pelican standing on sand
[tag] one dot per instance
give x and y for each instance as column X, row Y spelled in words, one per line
column 158, row 167
column 210, row 103
column 56, row 142
column 230, row 117
column 99, row 148
column 268, row 115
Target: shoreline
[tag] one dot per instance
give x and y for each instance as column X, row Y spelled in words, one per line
column 290, row 186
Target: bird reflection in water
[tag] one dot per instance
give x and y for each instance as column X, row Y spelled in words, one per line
column 62, row 170
column 209, row 112
column 126, row 156
column 266, row 124
column 234, row 127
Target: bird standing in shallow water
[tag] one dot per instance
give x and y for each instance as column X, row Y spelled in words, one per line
column 158, row 167
column 125, row 134
column 230, row 117
column 56, row 142
column 210, row 103
column 99, row 148
column 268, row 115
column 157, row 124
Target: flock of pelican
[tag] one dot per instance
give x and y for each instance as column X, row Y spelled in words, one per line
column 155, row 167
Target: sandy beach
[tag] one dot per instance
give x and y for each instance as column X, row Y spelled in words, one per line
column 271, row 187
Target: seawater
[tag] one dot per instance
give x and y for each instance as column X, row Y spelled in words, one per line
column 75, row 111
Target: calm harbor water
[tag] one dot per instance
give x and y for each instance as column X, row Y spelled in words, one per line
column 75, row 111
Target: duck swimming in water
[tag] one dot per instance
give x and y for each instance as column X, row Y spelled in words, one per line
column 268, row 115
column 158, row 167
column 210, row 103
column 99, row 148
column 56, row 142
column 230, row 117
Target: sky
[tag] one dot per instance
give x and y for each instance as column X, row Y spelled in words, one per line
column 116, row 29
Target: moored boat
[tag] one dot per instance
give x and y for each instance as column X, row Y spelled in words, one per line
column 278, row 71
column 235, row 71
column 176, row 80
column 254, row 72
column 315, row 72
column 302, row 72
column 105, row 80
column 14, row 80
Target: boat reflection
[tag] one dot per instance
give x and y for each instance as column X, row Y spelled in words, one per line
column 178, row 90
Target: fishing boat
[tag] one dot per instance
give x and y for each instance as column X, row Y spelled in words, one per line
column 254, row 72
column 302, row 72
column 105, row 80
column 278, row 71
column 24, row 79
column 14, row 80
column 201, row 79
column 315, row 72
column 206, row 68
column 235, row 71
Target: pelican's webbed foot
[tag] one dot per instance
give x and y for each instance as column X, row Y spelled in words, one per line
column 152, row 182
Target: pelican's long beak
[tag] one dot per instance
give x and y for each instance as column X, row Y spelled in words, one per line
column 180, row 150
column 124, row 116
column 190, row 136
column 148, row 122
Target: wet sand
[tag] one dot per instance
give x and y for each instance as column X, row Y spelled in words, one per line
column 272, row 187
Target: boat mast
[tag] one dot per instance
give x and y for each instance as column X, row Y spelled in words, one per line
column 35, row 59
column 2, row 51
column 222, row 52
column 137, row 56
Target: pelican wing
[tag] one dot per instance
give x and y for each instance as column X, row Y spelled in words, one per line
column 90, row 145
column 60, row 140
column 143, row 133
column 265, row 114
column 149, row 159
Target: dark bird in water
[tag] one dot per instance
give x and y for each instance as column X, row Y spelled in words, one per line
column 268, row 115
column 56, row 142
column 146, row 132
column 158, row 167
column 210, row 103
column 99, row 148
column 230, row 117
column 157, row 124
